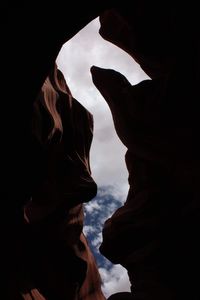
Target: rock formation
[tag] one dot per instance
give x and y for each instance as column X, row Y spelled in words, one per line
column 32, row 34
column 154, row 234
column 53, row 259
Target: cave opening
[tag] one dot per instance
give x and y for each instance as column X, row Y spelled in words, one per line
column 85, row 49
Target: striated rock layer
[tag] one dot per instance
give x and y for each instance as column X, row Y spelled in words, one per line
column 53, row 259
column 32, row 34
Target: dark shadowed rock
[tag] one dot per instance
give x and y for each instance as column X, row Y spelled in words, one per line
column 155, row 34
column 148, row 235
column 32, row 34
column 53, row 259
column 155, row 234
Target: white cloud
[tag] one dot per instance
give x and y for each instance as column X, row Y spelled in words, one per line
column 114, row 280
column 91, row 206
column 85, row 49
column 88, row 229
column 96, row 242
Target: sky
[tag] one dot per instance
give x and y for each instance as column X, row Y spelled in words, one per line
column 85, row 49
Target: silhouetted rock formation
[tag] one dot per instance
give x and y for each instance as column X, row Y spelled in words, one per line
column 32, row 34
column 163, row 156
column 154, row 235
column 156, row 229
column 155, row 34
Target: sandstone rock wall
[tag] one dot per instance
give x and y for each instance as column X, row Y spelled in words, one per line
column 154, row 234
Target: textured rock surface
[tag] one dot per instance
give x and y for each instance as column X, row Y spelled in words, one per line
column 53, row 259
column 163, row 156
column 32, row 36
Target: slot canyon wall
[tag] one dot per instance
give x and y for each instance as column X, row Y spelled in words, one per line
column 154, row 235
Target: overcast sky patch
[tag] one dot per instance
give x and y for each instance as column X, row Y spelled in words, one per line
column 75, row 59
